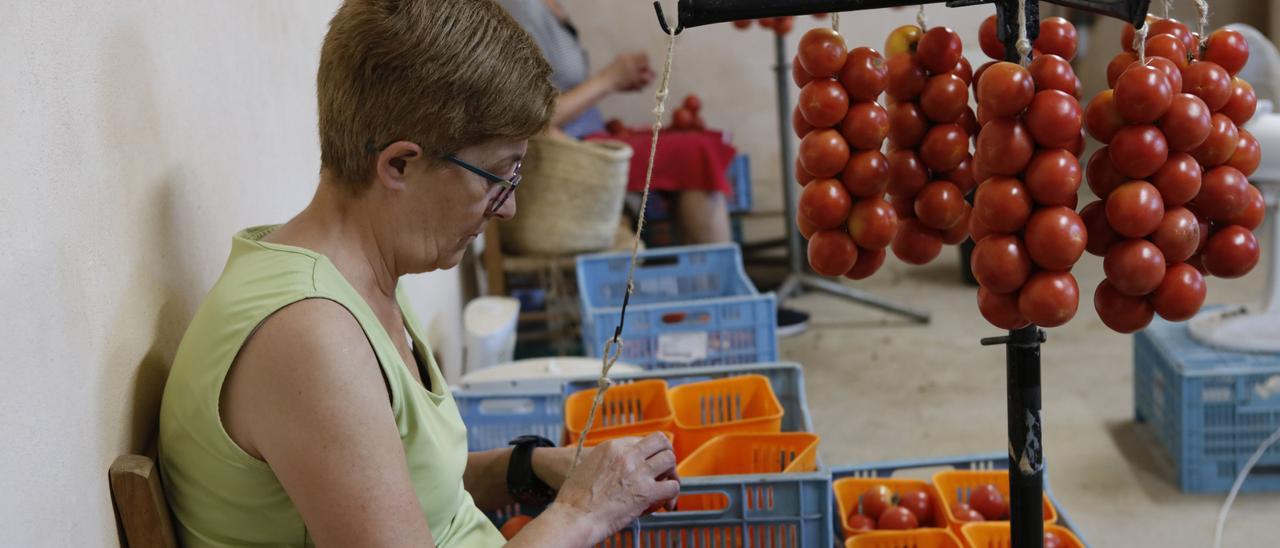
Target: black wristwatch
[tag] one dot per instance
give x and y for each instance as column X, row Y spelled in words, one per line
column 522, row 483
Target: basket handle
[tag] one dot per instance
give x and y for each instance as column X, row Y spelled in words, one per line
column 507, row 406
column 677, row 513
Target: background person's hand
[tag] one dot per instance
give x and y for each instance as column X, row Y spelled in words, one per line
column 629, row 72
column 622, row 479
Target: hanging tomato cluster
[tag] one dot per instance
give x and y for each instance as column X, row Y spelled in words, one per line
column 1175, row 201
column 1027, row 233
column 842, row 211
column 930, row 126
column 779, row 25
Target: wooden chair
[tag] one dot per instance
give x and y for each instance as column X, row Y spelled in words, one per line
column 140, row 504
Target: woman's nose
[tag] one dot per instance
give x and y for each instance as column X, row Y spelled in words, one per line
column 508, row 209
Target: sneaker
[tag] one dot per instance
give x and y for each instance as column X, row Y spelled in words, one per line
column 791, row 322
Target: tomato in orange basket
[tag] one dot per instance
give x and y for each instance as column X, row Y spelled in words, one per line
column 897, row 518
column 875, row 501
column 989, row 502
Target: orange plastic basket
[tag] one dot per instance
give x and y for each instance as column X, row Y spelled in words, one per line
column 730, row 454
column 954, row 487
column 849, row 490
column 628, row 409
column 594, row 440
column 732, row 405
column 919, row 538
column 995, row 534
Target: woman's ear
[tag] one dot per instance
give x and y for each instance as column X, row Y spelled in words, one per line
column 394, row 163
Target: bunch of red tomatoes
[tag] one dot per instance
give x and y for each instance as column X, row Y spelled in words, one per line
column 779, row 25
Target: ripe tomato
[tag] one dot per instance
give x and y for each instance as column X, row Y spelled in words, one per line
column 802, row 176
column 964, row 70
column 1053, row 177
column 822, row 52
column 1120, row 63
column 907, row 124
column 977, row 230
column 1000, row 263
column 1005, row 146
column 1181, row 294
column 1057, row 37
column 742, row 24
column 1138, row 151
column 869, row 261
column 1142, row 94
column 872, row 223
column 1128, row 34
column 859, row 523
column 1224, row 193
column 1005, row 89
column 866, row 174
column 904, row 206
column 1174, row 28
column 865, row 75
column 823, row 103
column 1209, row 82
column 783, row 25
column 801, row 126
column 964, row 512
column 980, row 171
column 1055, row 238
column 902, row 40
column 513, row 525
column 806, row 227
column 962, row 176
column 1243, row 102
column 1227, row 48
column 1223, row 139
column 875, row 501
column 944, row 147
column 826, row 203
column 977, row 75
column 1248, row 154
column 960, row 232
column 989, row 39
column 944, row 98
column 969, row 122
column 1169, row 47
column 1049, row 299
column 1101, row 118
column 1172, row 72
column 1135, row 209
column 1251, row 216
column 798, row 74
column 1000, row 310
column 1101, row 235
column 615, row 127
column 1178, row 235
column 939, row 205
column 989, row 502
column 865, row 126
column 1101, row 173
column 1178, row 180
column 1052, row 72
column 1135, row 266
column 1002, row 204
column 907, row 174
column 823, row 152
column 1122, row 313
column 832, row 252
column 907, row 77
column 897, row 518
column 767, row 22
column 1052, row 540
column 1231, row 252
column 939, row 50
column 693, row 103
column 918, row 503
column 683, row 119
column 1054, row 119
column 1187, row 123
column 915, row 243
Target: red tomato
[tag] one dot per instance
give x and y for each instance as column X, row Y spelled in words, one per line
column 944, row 98
column 683, row 119
column 904, row 206
column 989, row 502
column 1171, row 71
column 963, row 512
column 1122, row 313
column 939, row 50
column 1243, row 102
column 944, row 147
column 742, row 24
column 1118, row 65
column 1181, row 294
column 1000, row 263
column 977, row 230
column 902, row 40
column 1174, row 28
column 1052, row 540
column 822, row 52
column 962, row 176
column 798, row 74
column 980, row 170
column 915, row 243
column 823, row 103
column 865, row 75
column 1227, row 48
column 907, row 77
column 832, row 252
column 989, row 40
column 1054, row 119
column 1005, row 89
column 1101, row 236
column 1057, row 37
column 1101, row 173
column 1223, row 139
column 801, row 126
column 907, row 124
column 1055, row 238
column 865, row 126
column 1005, row 146
column 1053, row 177
column 907, row 174
column 897, row 518
column 615, row 127
column 1178, row 180
column 803, row 177
column 783, row 25
column 1101, row 118
column 939, row 205
column 875, row 501
column 1251, row 216
column 964, row 70
column 1053, row 72
column 1142, row 94
column 1138, row 151
column 824, row 152
column 866, row 174
column 1002, row 204
column 806, row 227
column 872, row 223
column 1000, row 310
column 859, row 523
column 1209, row 82
column 960, row 232
column 1187, row 123
column 825, row 203
column 513, row 525
column 693, row 103
column 1049, row 299
column 1231, row 252
column 1224, row 193
column 1248, row 154
column 1178, row 235
column 1135, row 209
column 767, row 22
column 918, row 503
column 869, row 261
column 1168, row 47
column 1135, row 267
column 977, row 75
column 969, row 122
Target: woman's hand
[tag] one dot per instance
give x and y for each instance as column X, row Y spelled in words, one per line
column 629, row 72
column 620, row 480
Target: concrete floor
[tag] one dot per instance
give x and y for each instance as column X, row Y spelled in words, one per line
column 882, row 388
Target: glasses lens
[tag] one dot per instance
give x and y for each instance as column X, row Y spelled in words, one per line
column 501, row 199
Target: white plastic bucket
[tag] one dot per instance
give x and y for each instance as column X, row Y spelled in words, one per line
column 489, row 324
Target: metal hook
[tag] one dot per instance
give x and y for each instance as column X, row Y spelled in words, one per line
column 662, row 19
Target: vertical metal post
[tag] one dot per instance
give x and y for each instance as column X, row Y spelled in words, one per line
column 782, row 67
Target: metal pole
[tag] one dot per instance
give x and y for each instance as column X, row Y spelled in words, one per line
column 782, row 68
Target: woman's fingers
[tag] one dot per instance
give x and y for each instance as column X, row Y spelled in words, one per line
column 662, row 464
column 652, row 444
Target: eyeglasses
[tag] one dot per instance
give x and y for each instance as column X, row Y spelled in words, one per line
column 507, row 186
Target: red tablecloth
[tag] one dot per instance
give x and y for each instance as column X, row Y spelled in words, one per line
column 686, row 160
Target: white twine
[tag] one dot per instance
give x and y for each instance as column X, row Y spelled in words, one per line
column 1023, row 44
column 1140, row 43
column 1202, row 9
column 835, row 21
column 921, row 20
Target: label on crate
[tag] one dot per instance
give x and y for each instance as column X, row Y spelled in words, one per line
column 687, row 347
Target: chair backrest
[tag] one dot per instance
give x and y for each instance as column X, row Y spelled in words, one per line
column 140, row 502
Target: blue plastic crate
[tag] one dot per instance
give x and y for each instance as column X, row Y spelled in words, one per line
column 888, row 469
column 739, row 176
column 692, row 306
column 1208, row 408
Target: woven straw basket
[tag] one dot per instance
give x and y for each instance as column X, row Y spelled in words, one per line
column 570, row 200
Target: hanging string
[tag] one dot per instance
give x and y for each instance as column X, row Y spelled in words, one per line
column 1167, row 8
column 835, row 21
column 921, row 19
column 1140, row 43
column 613, row 348
column 1023, row 44
column 1202, row 9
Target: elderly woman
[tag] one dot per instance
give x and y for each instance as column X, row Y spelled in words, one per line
column 303, row 407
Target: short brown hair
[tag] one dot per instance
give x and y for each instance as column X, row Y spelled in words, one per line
column 445, row 74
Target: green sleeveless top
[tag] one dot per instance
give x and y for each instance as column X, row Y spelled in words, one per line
column 222, row 496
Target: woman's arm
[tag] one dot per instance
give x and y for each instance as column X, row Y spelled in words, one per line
column 628, row 72
column 486, row 475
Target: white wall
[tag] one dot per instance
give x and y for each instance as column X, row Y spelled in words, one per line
column 136, row 138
